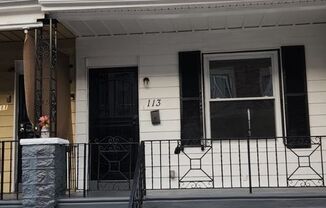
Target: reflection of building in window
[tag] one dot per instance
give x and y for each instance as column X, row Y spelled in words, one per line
column 222, row 83
column 266, row 85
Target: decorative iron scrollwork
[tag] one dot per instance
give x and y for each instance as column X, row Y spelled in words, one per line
column 196, row 165
column 313, row 172
column 114, row 164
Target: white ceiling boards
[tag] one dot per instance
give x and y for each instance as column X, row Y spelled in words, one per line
column 183, row 16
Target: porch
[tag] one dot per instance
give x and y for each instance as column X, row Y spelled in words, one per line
column 142, row 86
column 222, row 171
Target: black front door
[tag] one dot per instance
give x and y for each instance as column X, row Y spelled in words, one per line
column 113, row 123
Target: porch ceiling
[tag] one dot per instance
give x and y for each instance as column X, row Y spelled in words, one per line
column 92, row 23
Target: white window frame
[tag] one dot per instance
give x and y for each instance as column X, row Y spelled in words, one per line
column 273, row 55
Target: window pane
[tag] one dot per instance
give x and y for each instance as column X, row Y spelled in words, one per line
column 229, row 118
column 241, row 78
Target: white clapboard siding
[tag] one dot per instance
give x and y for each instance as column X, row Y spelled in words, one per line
column 159, row 70
column 147, row 126
column 157, row 58
column 317, row 86
column 166, row 114
column 316, row 74
column 317, row 97
column 171, row 92
column 159, row 81
column 318, row 130
column 160, row 135
column 318, row 120
column 317, row 109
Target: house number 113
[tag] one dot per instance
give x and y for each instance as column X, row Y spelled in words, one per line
column 153, row 102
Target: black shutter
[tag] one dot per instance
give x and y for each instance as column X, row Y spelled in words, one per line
column 190, row 95
column 295, row 96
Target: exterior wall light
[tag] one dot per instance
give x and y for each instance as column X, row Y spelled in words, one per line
column 8, row 99
column 146, row 82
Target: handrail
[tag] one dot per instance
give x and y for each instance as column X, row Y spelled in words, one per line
column 138, row 189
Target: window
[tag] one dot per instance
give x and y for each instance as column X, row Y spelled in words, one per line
column 235, row 83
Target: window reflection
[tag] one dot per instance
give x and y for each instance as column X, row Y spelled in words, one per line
column 241, row 78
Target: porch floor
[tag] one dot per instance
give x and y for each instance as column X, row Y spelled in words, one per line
column 102, row 194
column 235, row 198
column 179, row 194
column 312, row 192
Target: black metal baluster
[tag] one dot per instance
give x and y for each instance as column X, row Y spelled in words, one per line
column 17, row 171
column 69, row 171
column 276, row 157
column 221, row 155
column 84, row 178
column 130, row 163
column 258, row 165
column 144, row 166
column 10, row 166
column 240, row 171
column 286, row 163
column 322, row 159
column 77, row 163
column 169, row 149
column 73, row 162
column 2, row 167
column 160, row 143
column 267, row 163
column 178, row 168
column 249, row 165
column 231, row 175
column 212, row 153
column 152, row 165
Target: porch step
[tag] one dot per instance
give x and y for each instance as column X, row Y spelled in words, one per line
column 10, row 204
column 103, row 202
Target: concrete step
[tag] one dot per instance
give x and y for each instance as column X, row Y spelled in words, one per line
column 105, row 202
column 10, row 204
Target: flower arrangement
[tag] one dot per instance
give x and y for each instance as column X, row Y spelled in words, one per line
column 44, row 121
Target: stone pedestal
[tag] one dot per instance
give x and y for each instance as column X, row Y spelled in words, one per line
column 44, row 171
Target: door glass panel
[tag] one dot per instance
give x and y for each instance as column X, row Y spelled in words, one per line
column 241, row 78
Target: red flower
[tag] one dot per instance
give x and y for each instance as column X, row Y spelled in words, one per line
column 44, row 121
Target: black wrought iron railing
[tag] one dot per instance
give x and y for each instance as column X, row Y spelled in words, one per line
column 226, row 163
column 100, row 167
column 10, row 171
column 139, row 183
